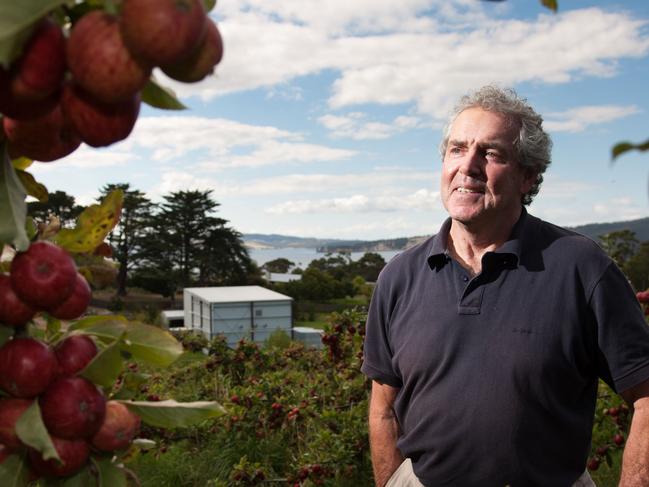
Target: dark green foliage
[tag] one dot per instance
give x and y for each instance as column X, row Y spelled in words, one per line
column 58, row 203
column 334, row 277
column 637, row 267
column 295, row 415
column 620, row 245
column 129, row 235
column 280, row 265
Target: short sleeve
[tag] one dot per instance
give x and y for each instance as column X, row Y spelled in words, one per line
column 377, row 353
column 622, row 332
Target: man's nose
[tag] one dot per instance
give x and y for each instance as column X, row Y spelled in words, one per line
column 473, row 162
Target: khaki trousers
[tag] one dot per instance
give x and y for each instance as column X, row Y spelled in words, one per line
column 405, row 477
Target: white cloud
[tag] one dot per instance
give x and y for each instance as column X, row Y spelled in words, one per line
column 425, row 52
column 578, row 119
column 616, row 209
column 422, row 199
column 87, row 158
column 218, row 143
column 355, row 126
column 376, row 182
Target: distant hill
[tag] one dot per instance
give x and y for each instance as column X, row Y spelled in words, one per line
column 257, row 240
column 260, row 240
column 594, row 230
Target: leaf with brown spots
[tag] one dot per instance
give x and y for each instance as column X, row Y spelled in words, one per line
column 93, row 225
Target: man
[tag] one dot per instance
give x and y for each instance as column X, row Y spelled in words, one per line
column 485, row 343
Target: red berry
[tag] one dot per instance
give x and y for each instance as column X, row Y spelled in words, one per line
column 593, row 464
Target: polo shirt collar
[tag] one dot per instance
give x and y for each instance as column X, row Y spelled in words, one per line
column 511, row 249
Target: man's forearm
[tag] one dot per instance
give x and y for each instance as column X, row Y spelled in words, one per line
column 386, row 458
column 635, row 461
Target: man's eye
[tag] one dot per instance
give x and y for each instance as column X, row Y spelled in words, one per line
column 454, row 150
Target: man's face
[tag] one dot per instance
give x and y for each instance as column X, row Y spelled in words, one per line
column 481, row 179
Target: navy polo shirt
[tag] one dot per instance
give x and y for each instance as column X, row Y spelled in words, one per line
column 498, row 374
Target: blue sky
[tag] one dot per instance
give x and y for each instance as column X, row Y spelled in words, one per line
column 323, row 119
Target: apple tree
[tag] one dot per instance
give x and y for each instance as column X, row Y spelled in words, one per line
column 73, row 72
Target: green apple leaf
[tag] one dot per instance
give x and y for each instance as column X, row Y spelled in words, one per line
column 209, row 5
column 110, row 475
column 13, row 209
column 551, row 4
column 16, row 22
column 95, row 320
column 32, row 432
column 152, row 345
column 106, row 366
column 159, row 97
column 22, row 163
column 53, row 327
column 32, row 187
column 173, row 414
column 143, row 342
column 83, row 478
column 93, row 225
column 6, row 332
column 622, row 147
column 13, row 472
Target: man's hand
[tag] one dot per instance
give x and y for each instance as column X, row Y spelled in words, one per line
column 384, row 432
column 635, row 461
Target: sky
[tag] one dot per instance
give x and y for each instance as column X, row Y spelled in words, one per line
column 324, row 118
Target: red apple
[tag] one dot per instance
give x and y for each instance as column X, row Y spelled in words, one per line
column 101, row 63
column 45, row 138
column 201, row 61
column 43, row 276
column 163, row 31
column 11, row 410
column 27, row 366
column 73, row 453
column 74, row 353
column 13, row 312
column 118, row 429
column 99, row 124
column 17, row 109
column 73, row 407
column 77, row 302
column 39, row 71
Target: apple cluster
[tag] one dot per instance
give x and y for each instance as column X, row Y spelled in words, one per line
column 43, row 278
column 86, row 87
column 74, row 410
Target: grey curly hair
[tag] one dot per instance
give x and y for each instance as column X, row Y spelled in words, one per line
column 533, row 145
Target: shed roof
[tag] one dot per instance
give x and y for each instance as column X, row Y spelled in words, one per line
column 173, row 313
column 237, row 294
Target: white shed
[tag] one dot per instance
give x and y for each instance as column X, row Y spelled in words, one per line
column 250, row 312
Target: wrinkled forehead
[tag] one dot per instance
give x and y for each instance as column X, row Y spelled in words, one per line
column 479, row 125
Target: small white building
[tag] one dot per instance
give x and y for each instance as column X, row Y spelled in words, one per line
column 250, row 312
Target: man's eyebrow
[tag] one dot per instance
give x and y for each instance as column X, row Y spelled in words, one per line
column 457, row 142
column 499, row 145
